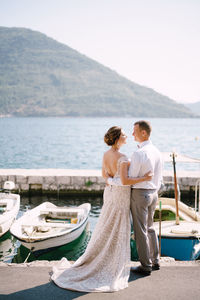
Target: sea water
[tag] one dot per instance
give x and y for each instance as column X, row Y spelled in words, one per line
column 77, row 143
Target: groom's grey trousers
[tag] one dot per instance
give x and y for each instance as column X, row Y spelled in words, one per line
column 143, row 204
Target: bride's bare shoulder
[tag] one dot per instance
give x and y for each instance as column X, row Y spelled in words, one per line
column 106, row 154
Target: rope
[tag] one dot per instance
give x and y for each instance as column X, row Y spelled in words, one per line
column 28, row 255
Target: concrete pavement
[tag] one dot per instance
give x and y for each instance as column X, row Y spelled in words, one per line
column 175, row 280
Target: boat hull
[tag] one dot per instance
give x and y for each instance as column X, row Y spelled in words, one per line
column 180, row 248
column 7, row 219
column 54, row 241
column 4, row 227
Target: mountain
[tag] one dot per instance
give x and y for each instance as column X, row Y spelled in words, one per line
column 194, row 107
column 41, row 77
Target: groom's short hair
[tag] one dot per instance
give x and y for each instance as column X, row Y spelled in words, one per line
column 144, row 125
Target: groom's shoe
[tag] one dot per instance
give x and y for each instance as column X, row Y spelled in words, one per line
column 141, row 270
column 156, row 266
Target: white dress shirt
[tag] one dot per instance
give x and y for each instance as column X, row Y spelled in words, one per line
column 146, row 158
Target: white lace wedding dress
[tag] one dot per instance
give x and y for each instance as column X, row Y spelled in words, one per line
column 105, row 265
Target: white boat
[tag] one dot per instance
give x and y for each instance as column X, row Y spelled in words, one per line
column 48, row 226
column 9, row 207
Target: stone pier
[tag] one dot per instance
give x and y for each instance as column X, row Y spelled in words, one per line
column 51, row 181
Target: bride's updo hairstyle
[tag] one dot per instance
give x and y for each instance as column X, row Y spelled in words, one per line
column 112, row 135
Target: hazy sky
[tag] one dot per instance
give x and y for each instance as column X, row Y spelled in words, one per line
column 155, row 43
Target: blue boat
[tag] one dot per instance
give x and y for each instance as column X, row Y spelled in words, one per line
column 182, row 241
column 187, row 248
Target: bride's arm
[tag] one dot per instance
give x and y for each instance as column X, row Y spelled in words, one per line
column 130, row 180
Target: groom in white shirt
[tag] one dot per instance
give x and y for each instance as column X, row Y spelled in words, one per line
column 144, row 198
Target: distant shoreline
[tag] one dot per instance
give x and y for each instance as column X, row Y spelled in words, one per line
column 98, row 117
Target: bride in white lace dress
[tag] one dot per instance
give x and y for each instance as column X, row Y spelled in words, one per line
column 105, row 265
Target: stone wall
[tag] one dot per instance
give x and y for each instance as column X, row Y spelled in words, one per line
column 80, row 181
column 54, row 180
